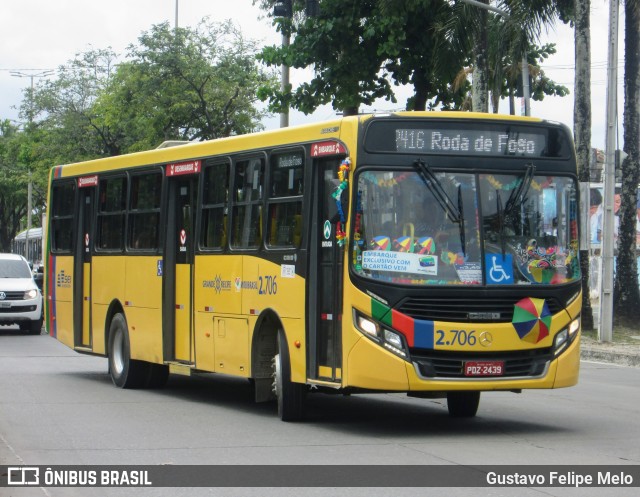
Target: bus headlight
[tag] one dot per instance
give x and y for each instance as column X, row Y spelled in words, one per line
column 367, row 326
column 566, row 336
column 392, row 338
column 389, row 339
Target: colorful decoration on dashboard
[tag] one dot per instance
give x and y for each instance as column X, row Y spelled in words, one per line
column 426, row 245
column 343, row 176
column 531, row 319
column 498, row 185
column 381, row 243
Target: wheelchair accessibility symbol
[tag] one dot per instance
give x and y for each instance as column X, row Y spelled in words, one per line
column 499, row 269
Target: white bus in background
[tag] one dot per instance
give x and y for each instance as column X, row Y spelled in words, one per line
column 33, row 252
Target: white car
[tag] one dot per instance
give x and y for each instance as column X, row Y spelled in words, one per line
column 20, row 298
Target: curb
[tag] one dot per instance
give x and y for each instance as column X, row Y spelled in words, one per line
column 609, row 356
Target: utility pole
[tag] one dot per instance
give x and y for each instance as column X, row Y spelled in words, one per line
column 176, row 23
column 31, row 76
column 605, row 328
column 284, row 8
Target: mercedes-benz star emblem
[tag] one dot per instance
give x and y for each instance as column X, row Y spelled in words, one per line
column 486, row 339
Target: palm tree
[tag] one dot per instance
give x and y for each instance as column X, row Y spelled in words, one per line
column 519, row 28
column 626, row 304
column 582, row 127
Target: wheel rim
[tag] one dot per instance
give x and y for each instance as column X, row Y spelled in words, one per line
column 118, row 352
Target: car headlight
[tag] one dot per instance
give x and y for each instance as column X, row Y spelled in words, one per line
column 30, row 294
column 386, row 337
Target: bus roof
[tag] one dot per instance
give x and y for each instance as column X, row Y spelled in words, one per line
column 330, row 129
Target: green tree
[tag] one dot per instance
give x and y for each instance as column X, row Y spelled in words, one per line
column 342, row 45
column 17, row 168
column 582, row 126
column 185, row 84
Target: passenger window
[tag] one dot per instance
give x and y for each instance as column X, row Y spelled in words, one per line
column 111, row 213
column 144, row 211
column 213, row 232
column 63, row 200
column 247, row 203
column 285, row 199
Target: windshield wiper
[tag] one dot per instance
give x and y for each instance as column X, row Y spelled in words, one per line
column 435, row 187
column 463, row 241
column 516, row 198
column 520, row 193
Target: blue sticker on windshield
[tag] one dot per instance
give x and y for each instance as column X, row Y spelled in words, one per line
column 499, row 269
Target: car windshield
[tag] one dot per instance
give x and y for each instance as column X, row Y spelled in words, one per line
column 14, row 269
column 419, row 227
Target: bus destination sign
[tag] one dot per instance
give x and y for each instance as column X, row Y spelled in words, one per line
column 490, row 142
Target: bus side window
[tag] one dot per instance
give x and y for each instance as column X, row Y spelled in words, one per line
column 247, row 203
column 213, row 229
column 111, row 213
column 285, row 199
column 144, row 211
column 63, row 198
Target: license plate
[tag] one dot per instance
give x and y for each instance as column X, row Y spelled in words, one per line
column 484, row 368
column 5, row 305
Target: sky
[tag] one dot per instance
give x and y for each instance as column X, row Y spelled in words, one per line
column 40, row 35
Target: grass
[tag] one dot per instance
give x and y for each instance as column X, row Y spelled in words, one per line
column 621, row 335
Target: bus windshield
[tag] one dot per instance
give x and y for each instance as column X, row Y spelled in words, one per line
column 417, row 227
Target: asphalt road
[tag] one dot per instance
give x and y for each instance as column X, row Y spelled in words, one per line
column 58, row 407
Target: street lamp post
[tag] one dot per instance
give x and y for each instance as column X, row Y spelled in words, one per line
column 31, row 76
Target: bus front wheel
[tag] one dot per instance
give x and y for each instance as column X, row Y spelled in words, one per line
column 290, row 396
column 463, row 404
column 125, row 372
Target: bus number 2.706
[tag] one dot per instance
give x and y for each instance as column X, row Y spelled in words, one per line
column 456, row 337
column 267, row 285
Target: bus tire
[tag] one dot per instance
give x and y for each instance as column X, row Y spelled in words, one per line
column 125, row 372
column 463, row 404
column 291, row 397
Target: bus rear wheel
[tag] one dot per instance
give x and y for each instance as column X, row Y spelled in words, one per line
column 291, row 397
column 125, row 372
column 463, row 404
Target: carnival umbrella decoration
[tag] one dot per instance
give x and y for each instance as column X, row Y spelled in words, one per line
column 381, row 243
column 427, row 245
column 531, row 319
column 403, row 244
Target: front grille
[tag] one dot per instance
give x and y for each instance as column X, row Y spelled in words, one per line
column 444, row 364
column 14, row 295
column 478, row 308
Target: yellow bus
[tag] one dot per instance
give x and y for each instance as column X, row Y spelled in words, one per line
column 434, row 254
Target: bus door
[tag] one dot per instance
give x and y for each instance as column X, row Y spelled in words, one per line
column 324, row 292
column 178, row 328
column 82, row 263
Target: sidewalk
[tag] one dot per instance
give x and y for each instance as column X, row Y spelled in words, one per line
column 623, row 350
column 624, row 354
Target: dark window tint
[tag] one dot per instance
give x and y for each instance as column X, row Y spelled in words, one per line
column 213, row 232
column 111, row 214
column 285, row 199
column 144, row 211
column 63, row 199
column 247, row 207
